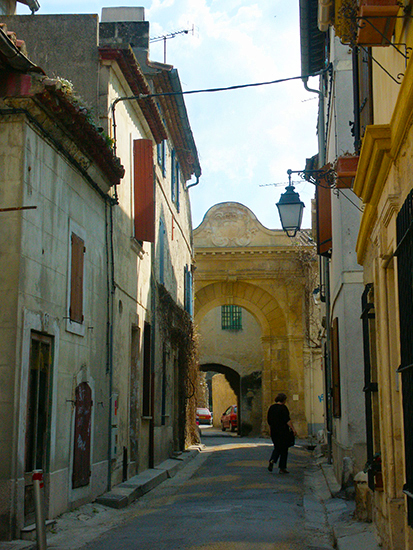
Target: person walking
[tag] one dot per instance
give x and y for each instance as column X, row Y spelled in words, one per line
column 280, row 427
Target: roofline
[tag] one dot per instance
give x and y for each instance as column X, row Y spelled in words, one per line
column 138, row 84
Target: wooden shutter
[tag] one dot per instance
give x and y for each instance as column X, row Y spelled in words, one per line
column 76, row 279
column 323, row 212
column 144, row 215
column 335, row 363
column 83, row 421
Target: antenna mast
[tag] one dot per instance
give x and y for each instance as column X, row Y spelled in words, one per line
column 166, row 37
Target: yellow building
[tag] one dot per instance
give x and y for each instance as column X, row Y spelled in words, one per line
column 379, row 35
column 254, row 311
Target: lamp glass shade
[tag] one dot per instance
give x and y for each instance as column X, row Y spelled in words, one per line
column 290, row 209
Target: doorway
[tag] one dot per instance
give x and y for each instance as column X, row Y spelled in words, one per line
column 37, row 417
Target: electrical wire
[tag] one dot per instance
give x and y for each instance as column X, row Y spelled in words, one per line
column 221, row 89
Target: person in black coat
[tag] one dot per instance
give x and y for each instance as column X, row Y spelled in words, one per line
column 280, row 426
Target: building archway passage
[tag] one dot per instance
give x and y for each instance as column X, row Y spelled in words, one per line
column 254, row 314
column 227, row 387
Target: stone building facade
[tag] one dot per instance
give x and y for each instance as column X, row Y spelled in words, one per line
column 242, row 264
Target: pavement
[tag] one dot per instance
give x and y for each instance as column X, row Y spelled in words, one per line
column 325, row 512
column 347, row 532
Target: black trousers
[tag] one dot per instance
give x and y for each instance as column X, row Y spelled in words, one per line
column 280, row 452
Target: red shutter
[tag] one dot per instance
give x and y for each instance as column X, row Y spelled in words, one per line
column 144, row 190
column 323, row 210
column 76, row 279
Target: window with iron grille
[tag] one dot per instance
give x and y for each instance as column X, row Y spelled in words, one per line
column 231, row 318
column 405, row 286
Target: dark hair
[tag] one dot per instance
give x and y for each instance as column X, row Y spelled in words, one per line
column 281, row 398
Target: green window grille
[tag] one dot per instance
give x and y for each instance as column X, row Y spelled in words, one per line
column 231, row 318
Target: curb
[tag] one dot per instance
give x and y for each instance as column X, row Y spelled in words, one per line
column 127, row 492
column 348, row 533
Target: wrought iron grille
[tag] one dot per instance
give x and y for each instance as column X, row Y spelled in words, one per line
column 370, row 386
column 231, row 317
column 405, row 284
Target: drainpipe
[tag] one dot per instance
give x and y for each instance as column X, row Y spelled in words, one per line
column 195, row 182
column 325, row 265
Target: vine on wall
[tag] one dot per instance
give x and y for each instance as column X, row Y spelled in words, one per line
column 178, row 328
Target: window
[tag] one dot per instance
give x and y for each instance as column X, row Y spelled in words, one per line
column 335, row 367
column 144, row 190
column 175, row 180
column 231, row 318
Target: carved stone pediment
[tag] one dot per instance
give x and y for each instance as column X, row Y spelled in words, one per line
column 230, row 225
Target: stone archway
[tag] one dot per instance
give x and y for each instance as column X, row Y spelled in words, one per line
column 241, row 263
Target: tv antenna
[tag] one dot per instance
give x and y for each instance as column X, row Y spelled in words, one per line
column 168, row 36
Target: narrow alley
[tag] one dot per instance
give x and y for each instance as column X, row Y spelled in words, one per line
column 223, row 499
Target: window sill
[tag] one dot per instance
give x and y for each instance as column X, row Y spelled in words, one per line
column 147, row 417
column 137, row 247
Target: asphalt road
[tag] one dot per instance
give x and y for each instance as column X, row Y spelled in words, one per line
column 225, row 500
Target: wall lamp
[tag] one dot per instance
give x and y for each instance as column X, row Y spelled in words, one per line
column 290, row 207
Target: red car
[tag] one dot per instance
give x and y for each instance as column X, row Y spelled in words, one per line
column 229, row 419
column 203, row 416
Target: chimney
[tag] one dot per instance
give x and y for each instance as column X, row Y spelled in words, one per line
column 117, row 15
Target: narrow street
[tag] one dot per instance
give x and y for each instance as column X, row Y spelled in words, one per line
column 226, row 499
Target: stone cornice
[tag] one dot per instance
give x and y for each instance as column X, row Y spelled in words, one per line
column 381, row 147
column 247, row 251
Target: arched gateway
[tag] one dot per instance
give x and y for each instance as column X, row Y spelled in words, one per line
column 252, row 307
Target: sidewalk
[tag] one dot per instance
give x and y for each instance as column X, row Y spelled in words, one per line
column 348, row 533
column 75, row 528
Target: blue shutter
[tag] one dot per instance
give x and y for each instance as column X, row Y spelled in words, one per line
column 161, row 251
column 173, row 175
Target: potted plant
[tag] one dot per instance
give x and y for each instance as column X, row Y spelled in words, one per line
column 346, row 168
column 376, row 22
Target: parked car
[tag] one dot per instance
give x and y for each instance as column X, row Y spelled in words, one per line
column 229, row 420
column 203, row 416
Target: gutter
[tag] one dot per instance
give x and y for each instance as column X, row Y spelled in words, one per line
column 183, row 115
column 14, row 57
column 32, row 4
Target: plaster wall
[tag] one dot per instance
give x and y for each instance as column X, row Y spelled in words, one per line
column 346, row 279
column 39, row 176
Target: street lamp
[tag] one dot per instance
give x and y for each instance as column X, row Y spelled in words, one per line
column 290, row 209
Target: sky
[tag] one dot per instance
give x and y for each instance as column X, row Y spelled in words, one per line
column 246, row 139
